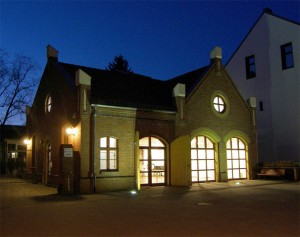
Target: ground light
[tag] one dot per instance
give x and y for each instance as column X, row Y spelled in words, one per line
column 133, row 192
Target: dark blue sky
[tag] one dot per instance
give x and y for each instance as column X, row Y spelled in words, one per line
column 160, row 39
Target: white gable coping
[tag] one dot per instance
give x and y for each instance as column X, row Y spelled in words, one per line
column 82, row 78
column 179, row 90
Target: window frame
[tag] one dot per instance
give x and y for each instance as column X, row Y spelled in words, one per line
column 218, row 105
column 108, row 149
column 249, row 72
column 285, row 55
column 48, row 104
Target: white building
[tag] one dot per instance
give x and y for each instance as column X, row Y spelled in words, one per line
column 266, row 65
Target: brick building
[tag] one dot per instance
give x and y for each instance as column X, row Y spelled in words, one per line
column 128, row 130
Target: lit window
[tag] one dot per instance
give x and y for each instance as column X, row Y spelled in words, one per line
column 219, row 104
column 203, row 159
column 236, row 159
column 48, row 104
column 108, row 153
column 250, row 67
column 287, row 59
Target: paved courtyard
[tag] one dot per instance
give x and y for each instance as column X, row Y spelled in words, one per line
column 247, row 208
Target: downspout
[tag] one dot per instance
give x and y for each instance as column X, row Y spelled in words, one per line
column 93, row 132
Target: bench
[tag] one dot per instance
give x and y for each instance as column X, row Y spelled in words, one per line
column 270, row 172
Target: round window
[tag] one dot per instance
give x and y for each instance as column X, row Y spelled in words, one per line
column 219, row 104
column 48, row 104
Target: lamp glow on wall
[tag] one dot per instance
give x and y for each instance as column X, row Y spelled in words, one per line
column 71, row 131
column 27, row 141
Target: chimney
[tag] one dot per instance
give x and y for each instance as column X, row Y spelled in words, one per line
column 52, row 53
column 216, row 53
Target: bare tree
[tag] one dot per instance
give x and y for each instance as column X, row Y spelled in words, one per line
column 119, row 64
column 17, row 87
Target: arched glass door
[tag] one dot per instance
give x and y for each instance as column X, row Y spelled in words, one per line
column 203, row 159
column 236, row 159
column 152, row 161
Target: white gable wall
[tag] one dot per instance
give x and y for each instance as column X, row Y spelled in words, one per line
column 278, row 90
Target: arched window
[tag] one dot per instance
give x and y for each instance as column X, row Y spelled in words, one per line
column 203, row 159
column 108, row 153
column 48, row 104
column 152, row 161
column 236, row 159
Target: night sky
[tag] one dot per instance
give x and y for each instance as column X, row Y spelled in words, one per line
column 160, row 39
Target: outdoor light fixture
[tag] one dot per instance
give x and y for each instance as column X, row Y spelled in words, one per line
column 26, row 141
column 71, row 131
column 133, row 192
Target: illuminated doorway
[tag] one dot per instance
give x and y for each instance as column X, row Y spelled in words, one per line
column 236, row 159
column 203, row 159
column 152, row 161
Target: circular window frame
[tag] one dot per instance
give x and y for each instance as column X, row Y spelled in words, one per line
column 48, row 106
column 226, row 110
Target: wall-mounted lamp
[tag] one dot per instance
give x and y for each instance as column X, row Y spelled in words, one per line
column 27, row 141
column 71, row 131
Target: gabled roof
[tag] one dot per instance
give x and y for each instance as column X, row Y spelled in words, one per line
column 133, row 90
column 265, row 11
column 190, row 79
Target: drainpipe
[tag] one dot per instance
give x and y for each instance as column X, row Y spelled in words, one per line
column 93, row 132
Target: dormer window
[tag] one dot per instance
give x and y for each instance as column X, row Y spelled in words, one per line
column 48, row 104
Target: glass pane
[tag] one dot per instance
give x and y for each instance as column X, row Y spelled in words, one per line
column 157, row 154
column 144, row 141
column 234, row 143
column 113, row 164
column 229, row 164
column 202, row 164
column 210, row 175
column 235, row 163
column 216, row 100
column 202, row 175
column 228, row 145
column 112, row 155
column 193, row 143
column 144, row 178
column 158, row 165
column 156, row 143
column 194, row 176
column 143, row 165
column 194, row 154
column 235, row 154
column 158, row 177
column 242, row 154
column 103, row 155
column 143, row 154
column 201, row 154
column 112, row 142
column 242, row 163
column 103, row 165
column 221, row 108
column 209, row 143
column 210, row 164
column 210, row 154
column 194, row 165
column 229, row 174
column 236, row 174
column 241, row 144
column 229, row 154
column 103, row 142
column 201, row 142
column 243, row 174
